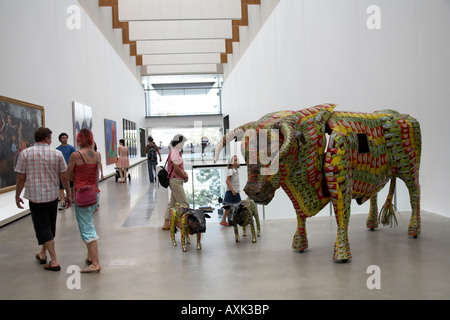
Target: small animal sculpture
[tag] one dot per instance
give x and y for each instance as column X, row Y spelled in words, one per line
column 242, row 214
column 364, row 152
column 189, row 221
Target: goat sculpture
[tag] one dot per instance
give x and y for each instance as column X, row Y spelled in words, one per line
column 242, row 214
column 189, row 221
column 364, row 152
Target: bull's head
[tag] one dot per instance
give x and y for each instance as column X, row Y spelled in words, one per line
column 261, row 148
column 270, row 144
column 196, row 220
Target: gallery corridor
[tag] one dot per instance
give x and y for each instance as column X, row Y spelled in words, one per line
column 139, row 261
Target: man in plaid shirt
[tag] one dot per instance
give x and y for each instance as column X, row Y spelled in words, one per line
column 41, row 168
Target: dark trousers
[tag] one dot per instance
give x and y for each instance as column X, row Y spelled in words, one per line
column 151, row 171
column 44, row 220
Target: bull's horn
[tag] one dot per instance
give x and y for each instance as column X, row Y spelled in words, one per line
column 288, row 133
column 237, row 133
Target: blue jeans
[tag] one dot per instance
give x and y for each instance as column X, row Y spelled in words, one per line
column 151, row 171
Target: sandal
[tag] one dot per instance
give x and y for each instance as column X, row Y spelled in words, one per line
column 41, row 261
column 49, row 267
column 89, row 270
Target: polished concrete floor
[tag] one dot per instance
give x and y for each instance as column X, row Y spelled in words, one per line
column 139, row 261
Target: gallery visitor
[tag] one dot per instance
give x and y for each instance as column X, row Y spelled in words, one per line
column 177, row 176
column 84, row 165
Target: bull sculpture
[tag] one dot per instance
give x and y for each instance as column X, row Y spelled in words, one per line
column 242, row 214
column 364, row 152
column 189, row 221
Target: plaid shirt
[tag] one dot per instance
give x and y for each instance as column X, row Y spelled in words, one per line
column 42, row 166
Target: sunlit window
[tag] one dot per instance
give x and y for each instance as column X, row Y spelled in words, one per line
column 182, row 95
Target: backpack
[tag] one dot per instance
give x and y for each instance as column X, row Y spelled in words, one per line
column 164, row 176
column 151, row 155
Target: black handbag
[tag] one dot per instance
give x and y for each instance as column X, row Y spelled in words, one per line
column 164, row 176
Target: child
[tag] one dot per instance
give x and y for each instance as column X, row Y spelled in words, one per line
column 232, row 193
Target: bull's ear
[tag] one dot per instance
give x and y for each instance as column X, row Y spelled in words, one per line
column 207, row 215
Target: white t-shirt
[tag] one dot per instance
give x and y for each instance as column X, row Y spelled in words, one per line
column 234, row 180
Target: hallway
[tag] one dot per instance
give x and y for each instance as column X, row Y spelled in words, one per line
column 139, row 261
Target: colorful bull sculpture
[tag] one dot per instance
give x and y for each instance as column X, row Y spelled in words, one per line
column 189, row 221
column 364, row 152
column 242, row 214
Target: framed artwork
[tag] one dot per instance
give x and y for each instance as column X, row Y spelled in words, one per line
column 130, row 136
column 18, row 121
column 110, row 141
column 82, row 118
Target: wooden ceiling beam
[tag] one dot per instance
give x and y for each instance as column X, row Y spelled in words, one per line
column 114, row 4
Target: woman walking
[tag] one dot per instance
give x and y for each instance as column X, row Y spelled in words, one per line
column 123, row 162
column 177, row 177
column 84, row 165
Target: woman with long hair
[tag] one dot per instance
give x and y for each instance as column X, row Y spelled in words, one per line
column 84, row 166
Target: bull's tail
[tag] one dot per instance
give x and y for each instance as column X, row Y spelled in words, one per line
column 387, row 213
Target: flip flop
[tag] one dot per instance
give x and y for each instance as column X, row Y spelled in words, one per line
column 49, row 267
column 41, row 261
column 89, row 270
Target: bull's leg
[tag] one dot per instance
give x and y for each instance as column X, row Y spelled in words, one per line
column 372, row 221
column 342, row 247
column 199, row 241
column 244, row 231
column 340, row 188
column 236, row 233
column 342, row 213
column 300, row 241
column 414, row 223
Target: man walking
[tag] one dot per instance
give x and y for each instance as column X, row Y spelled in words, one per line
column 66, row 150
column 152, row 151
column 42, row 168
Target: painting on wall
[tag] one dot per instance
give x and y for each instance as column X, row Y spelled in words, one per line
column 110, row 141
column 82, row 118
column 18, row 121
column 130, row 136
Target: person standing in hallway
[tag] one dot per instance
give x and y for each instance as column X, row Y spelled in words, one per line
column 232, row 194
column 123, row 163
column 84, row 165
column 42, row 168
column 66, row 149
column 177, row 177
column 151, row 150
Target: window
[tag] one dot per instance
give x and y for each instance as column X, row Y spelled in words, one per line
column 182, row 95
column 200, row 142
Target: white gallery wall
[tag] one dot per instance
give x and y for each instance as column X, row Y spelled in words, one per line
column 310, row 52
column 45, row 62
